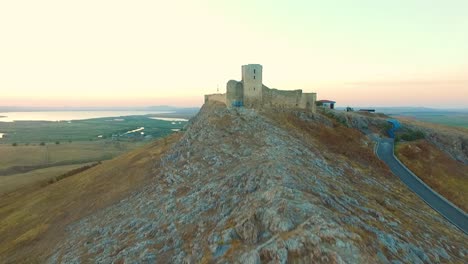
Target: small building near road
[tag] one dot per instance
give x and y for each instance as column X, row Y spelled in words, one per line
column 327, row 103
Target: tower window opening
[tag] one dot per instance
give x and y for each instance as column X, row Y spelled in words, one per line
column 254, row 77
column 254, row 71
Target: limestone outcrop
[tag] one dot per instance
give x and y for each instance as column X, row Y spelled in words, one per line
column 260, row 186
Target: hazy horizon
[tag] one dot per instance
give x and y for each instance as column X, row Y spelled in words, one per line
column 137, row 54
column 6, row 108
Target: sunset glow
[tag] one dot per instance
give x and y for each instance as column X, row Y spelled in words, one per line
column 139, row 53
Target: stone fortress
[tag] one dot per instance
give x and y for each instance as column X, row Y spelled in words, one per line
column 252, row 93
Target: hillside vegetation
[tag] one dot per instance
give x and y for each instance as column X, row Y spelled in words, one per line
column 438, row 170
column 437, row 154
column 20, row 159
column 33, row 220
column 33, row 179
column 451, row 140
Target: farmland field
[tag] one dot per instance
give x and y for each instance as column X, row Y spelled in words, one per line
column 23, row 158
column 34, row 132
column 37, row 144
column 33, row 152
column 454, row 119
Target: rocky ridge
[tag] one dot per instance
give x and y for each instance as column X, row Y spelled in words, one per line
column 241, row 186
column 453, row 141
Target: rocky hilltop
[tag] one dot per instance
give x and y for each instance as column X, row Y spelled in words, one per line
column 252, row 186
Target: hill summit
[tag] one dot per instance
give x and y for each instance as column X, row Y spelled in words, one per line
column 266, row 186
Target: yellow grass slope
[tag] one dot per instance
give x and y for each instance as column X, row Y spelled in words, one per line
column 61, row 154
column 444, row 174
column 33, row 221
column 32, row 179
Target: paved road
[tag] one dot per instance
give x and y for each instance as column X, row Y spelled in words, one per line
column 446, row 209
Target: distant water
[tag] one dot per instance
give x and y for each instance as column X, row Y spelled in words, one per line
column 170, row 119
column 68, row 115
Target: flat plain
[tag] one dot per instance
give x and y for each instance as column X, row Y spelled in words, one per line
column 452, row 119
column 34, row 152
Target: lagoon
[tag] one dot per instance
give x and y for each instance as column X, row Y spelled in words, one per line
column 68, row 115
column 173, row 119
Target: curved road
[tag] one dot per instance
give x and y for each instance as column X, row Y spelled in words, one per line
column 456, row 216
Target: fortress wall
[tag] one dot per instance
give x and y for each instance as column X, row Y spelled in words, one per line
column 234, row 93
column 215, row 98
column 251, row 93
column 280, row 98
column 308, row 101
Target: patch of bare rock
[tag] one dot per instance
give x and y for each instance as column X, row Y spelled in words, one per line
column 239, row 189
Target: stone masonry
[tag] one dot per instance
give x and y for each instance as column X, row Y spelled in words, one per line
column 250, row 92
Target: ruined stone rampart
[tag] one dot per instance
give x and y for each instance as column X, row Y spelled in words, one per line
column 234, row 93
column 308, row 101
column 251, row 93
column 279, row 98
column 215, row 98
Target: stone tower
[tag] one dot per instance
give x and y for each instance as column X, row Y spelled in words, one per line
column 234, row 94
column 252, row 84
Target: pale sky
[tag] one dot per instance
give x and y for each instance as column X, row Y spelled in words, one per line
column 137, row 53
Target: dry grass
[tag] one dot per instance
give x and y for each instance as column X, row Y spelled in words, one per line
column 338, row 140
column 70, row 153
column 33, row 179
column 445, row 175
column 32, row 222
column 439, row 127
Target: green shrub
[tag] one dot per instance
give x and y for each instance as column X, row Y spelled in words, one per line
column 341, row 119
column 14, row 144
column 410, row 135
column 73, row 172
column 385, row 127
column 42, row 144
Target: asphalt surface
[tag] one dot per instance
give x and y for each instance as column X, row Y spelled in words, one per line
column 455, row 216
